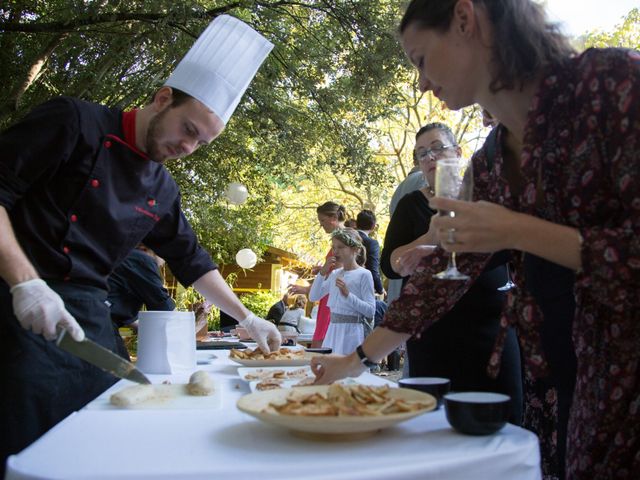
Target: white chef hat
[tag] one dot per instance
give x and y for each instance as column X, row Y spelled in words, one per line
column 221, row 64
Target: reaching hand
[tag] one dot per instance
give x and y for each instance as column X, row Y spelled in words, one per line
column 409, row 260
column 40, row 309
column 265, row 333
column 329, row 368
column 298, row 289
column 479, row 226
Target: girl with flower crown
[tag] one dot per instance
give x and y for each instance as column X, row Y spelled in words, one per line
column 350, row 289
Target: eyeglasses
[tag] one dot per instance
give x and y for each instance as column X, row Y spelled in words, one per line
column 433, row 153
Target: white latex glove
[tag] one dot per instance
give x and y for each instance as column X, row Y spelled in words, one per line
column 40, row 309
column 265, row 333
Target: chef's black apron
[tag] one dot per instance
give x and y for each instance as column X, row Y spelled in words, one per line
column 40, row 383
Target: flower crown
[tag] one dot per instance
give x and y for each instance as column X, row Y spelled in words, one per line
column 343, row 235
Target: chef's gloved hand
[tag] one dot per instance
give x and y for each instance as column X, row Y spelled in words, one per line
column 265, row 333
column 40, row 309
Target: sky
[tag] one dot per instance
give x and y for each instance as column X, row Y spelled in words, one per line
column 579, row 16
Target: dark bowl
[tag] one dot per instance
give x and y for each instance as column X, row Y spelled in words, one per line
column 322, row 350
column 477, row 413
column 436, row 386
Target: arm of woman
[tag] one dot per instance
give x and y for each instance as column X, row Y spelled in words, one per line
column 298, row 289
column 398, row 256
column 408, row 228
column 381, row 342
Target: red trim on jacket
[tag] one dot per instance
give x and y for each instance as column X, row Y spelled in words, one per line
column 129, row 127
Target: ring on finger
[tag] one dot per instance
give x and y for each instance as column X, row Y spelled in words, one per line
column 451, row 236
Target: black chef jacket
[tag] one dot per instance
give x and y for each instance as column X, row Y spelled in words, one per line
column 80, row 197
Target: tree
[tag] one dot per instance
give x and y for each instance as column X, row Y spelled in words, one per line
column 332, row 114
column 329, row 76
column 624, row 35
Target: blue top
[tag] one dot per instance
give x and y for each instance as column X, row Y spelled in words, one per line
column 372, row 263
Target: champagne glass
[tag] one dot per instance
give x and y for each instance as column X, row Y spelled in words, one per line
column 454, row 179
column 509, row 285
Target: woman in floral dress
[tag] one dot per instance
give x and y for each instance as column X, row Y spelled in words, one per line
column 564, row 192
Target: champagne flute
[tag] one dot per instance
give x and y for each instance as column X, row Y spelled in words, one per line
column 510, row 284
column 454, row 179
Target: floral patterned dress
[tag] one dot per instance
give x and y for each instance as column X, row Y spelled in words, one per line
column 581, row 163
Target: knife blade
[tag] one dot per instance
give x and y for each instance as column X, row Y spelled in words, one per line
column 99, row 356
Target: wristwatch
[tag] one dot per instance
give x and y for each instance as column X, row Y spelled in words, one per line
column 363, row 357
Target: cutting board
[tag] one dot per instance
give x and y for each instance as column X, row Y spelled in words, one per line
column 171, row 397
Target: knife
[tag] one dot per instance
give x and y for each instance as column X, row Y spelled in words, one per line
column 99, row 356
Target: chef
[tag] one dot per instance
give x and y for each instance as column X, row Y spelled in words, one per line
column 81, row 185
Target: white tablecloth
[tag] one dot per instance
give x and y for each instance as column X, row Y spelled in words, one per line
column 225, row 443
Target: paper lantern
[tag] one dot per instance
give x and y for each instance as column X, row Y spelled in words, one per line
column 237, row 193
column 245, row 258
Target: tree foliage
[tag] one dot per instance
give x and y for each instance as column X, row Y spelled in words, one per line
column 330, row 74
column 625, row 35
column 331, row 115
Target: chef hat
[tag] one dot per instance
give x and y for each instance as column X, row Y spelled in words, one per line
column 220, row 65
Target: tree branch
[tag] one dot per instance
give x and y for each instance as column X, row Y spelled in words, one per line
column 89, row 20
column 13, row 101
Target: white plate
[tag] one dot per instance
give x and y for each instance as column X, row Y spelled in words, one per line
column 329, row 427
column 253, row 385
column 285, row 382
column 244, row 371
column 305, row 359
column 173, row 397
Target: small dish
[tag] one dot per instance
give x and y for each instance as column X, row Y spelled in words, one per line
column 477, row 413
column 319, row 350
column 436, row 386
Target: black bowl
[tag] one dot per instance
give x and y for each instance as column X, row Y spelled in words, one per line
column 477, row 413
column 322, row 350
column 435, row 386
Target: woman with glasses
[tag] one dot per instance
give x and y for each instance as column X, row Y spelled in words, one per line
column 458, row 346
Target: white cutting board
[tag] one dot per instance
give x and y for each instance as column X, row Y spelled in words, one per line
column 174, row 397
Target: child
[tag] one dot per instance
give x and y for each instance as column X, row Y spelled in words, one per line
column 291, row 318
column 350, row 289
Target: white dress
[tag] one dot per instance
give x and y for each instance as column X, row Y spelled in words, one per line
column 343, row 338
column 292, row 318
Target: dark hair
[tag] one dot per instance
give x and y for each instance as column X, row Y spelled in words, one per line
column 332, row 209
column 350, row 222
column 523, row 40
column 178, row 97
column 366, row 220
column 435, row 126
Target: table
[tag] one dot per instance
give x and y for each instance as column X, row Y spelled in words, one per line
column 228, row 444
column 305, row 339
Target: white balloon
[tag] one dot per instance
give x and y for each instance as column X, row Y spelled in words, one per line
column 237, row 193
column 245, row 258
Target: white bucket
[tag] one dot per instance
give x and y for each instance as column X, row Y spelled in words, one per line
column 166, row 342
